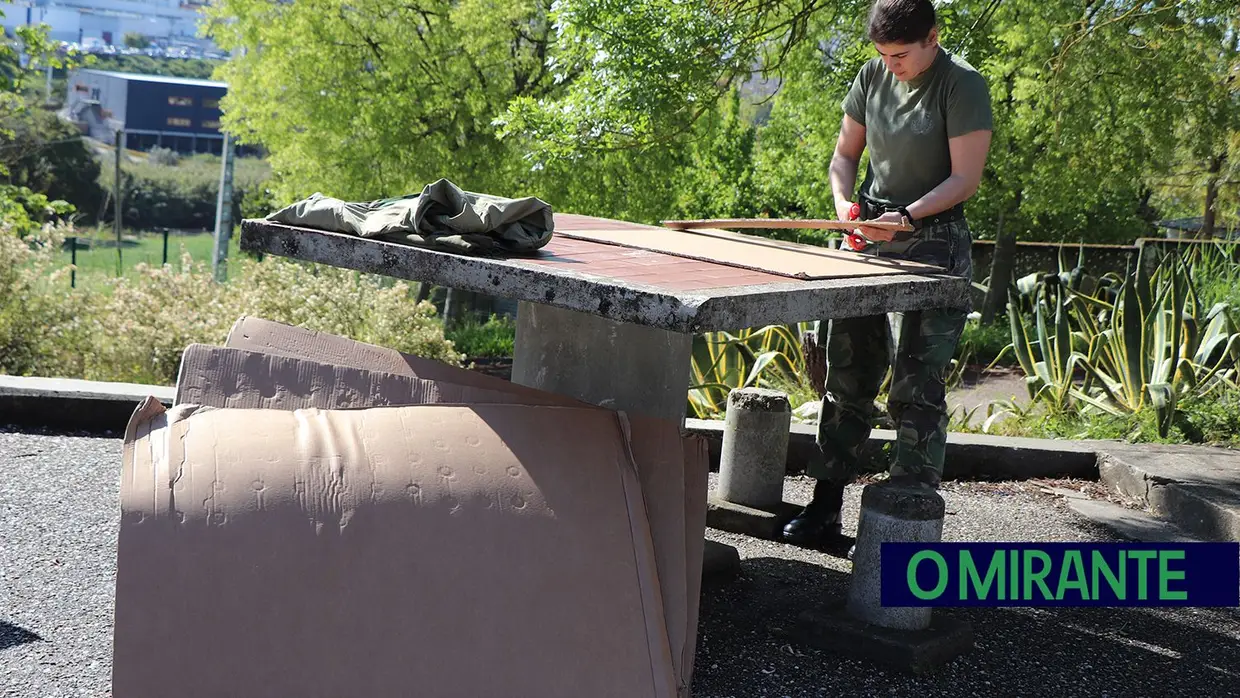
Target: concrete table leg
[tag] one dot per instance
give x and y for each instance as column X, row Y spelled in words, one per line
column 617, row 365
column 612, row 364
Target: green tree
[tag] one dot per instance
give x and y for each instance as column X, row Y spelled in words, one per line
column 719, row 179
column 22, row 210
column 47, row 155
column 379, row 97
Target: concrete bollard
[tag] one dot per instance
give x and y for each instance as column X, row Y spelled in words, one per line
column 754, row 453
column 891, row 513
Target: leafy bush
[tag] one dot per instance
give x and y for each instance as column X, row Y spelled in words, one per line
column 493, row 338
column 197, row 68
column 163, row 156
column 134, row 329
column 48, row 156
column 24, row 213
column 183, row 195
column 39, row 333
column 1214, row 421
column 984, row 344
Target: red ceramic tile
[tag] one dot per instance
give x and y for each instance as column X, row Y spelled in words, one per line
column 623, row 264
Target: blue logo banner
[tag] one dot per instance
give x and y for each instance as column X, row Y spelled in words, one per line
column 1060, row 574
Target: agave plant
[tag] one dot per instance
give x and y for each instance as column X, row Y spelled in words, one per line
column 1161, row 344
column 1152, row 345
column 770, row 356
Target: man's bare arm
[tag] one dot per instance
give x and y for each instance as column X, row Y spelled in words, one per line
column 968, row 153
column 844, row 164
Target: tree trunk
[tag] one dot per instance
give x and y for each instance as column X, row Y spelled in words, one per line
column 1001, row 266
column 451, row 307
column 1207, row 218
column 424, row 292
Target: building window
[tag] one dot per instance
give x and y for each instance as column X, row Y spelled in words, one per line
column 176, row 121
column 211, row 123
column 210, row 104
column 181, row 101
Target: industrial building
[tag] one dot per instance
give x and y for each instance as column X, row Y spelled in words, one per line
column 106, row 22
column 178, row 113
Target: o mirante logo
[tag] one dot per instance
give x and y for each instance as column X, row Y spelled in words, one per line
column 1060, row 574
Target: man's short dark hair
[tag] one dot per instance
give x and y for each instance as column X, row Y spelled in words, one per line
column 901, row 21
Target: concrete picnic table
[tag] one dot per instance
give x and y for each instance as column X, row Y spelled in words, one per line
column 605, row 319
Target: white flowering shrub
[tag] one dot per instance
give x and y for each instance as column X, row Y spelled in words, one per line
column 134, row 329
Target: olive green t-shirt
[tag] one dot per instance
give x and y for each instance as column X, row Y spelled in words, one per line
column 907, row 125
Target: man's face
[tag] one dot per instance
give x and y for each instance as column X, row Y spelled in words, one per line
column 907, row 61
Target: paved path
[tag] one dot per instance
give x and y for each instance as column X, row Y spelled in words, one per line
column 58, row 504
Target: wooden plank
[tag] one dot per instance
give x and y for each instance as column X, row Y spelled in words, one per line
column 754, row 253
column 784, row 223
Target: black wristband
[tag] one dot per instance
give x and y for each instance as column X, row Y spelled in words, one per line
column 904, row 212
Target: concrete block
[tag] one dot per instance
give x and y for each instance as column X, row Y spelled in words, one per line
column 830, row 627
column 736, row 518
column 754, row 454
column 891, row 513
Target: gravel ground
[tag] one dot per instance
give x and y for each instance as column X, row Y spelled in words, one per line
column 744, row 649
column 58, row 576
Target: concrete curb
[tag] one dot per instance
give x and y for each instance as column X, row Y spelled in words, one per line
column 969, row 456
column 71, row 404
column 1195, row 487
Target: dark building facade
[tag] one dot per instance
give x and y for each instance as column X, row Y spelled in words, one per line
column 178, row 113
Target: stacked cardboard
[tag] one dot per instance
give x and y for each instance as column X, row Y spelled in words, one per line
column 321, row 517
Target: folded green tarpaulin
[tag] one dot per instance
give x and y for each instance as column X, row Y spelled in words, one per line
column 443, row 217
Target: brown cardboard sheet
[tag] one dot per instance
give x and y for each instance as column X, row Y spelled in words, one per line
column 267, row 336
column 235, row 377
column 754, row 253
column 226, row 377
column 310, row 553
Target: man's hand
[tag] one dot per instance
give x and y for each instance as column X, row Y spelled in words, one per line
column 842, row 207
column 880, row 234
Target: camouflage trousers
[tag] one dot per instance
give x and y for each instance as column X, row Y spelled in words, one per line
column 859, row 353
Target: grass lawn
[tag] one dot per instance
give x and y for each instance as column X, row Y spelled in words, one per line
column 99, row 262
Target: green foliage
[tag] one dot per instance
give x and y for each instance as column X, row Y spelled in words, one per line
column 985, row 344
column 628, row 110
column 184, row 195
column 377, row 97
column 197, row 68
column 23, row 213
column 493, row 338
column 1154, row 346
column 719, row 181
column 769, row 357
column 23, row 210
column 44, row 154
column 39, row 334
column 1214, row 421
column 136, row 40
column 134, row 328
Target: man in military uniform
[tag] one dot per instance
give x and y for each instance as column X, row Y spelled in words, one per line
column 925, row 116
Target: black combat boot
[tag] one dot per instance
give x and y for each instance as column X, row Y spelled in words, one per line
column 818, row 524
